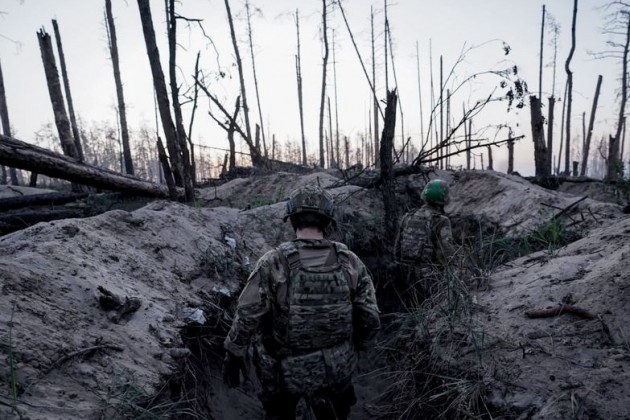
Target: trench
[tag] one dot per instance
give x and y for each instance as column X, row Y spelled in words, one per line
column 403, row 376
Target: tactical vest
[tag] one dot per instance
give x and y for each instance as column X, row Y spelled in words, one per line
column 314, row 309
column 415, row 238
column 312, row 322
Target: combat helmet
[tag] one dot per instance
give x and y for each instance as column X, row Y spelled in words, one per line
column 436, row 192
column 310, row 199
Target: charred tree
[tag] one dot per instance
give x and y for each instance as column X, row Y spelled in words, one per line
column 490, row 160
column 589, row 133
column 387, row 166
column 375, row 98
column 180, row 132
column 6, row 129
column 161, row 93
column 251, row 50
column 538, row 136
column 322, row 103
column 122, row 112
column 510, row 145
column 567, row 154
column 230, row 134
column 298, row 75
column 25, row 156
column 56, row 96
column 552, row 103
column 614, row 166
column 168, row 175
column 256, row 156
column 66, row 85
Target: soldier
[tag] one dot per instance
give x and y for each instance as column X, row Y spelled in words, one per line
column 308, row 306
column 424, row 241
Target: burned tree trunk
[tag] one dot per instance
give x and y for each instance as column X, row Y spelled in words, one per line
column 322, row 103
column 257, row 159
column 6, row 129
column 589, row 133
column 122, row 112
column 161, row 93
column 552, row 103
column 168, row 175
column 171, row 23
column 56, row 97
column 490, row 160
column 66, row 84
column 28, row 157
column 614, row 165
column 567, row 154
column 48, row 199
column 298, row 75
column 538, row 136
column 510, row 145
column 230, row 134
column 387, row 166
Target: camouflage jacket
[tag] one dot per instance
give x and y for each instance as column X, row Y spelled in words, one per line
column 255, row 311
column 441, row 237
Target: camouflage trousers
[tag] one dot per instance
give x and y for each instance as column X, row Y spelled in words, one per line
column 323, row 378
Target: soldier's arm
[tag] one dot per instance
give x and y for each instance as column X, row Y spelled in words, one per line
column 445, row 240
column 253, row 304
column 401, row 226
column 366, row 321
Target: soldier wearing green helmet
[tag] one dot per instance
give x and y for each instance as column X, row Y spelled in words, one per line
column 425, row 241
column 307, row 307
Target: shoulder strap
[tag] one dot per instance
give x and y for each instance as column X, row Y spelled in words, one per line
column 290, row 257
column 344, row 259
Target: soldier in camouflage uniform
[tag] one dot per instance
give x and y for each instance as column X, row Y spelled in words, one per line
column 307, row 307
column 424, row 242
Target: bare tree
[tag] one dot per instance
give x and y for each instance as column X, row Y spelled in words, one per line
column 419, row 91
column 613, row 147
column 538, row 136
column 6, row 129
column 56, row 96
column 122, row 112
column 163, row 104
column 239, row 66
column 251, row 50
column 570, row 89
column 376, row 106
column 387, row 165
column 171, row 24
column 336, row 103
column 322, row 103
column 589, row 133
column 298, row 74
column 540, row 67
column 66, row 84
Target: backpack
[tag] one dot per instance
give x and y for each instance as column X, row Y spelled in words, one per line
column 414, row 243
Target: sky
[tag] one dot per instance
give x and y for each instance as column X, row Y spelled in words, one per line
column 444, row 28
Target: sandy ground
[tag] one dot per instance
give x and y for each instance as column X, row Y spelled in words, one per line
column 66, row 356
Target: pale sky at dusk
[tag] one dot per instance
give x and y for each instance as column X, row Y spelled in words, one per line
column 449, row 24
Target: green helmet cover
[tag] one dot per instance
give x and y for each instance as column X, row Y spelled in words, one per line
column 436, row 192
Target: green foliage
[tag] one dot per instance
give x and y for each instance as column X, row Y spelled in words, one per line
column 421, row 347
column 487, row 253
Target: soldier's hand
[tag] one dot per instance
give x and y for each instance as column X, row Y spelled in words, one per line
column 233, row 366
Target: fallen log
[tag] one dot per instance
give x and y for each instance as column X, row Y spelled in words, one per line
column 48, row 199
column 16, row 221
column 18, row 154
